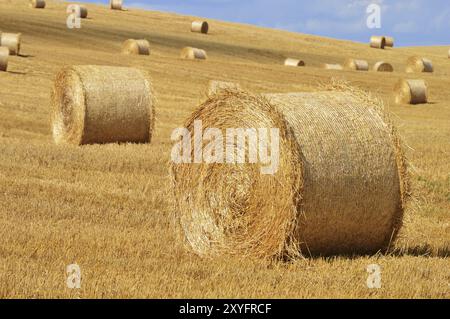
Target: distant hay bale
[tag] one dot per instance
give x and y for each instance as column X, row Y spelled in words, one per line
column 102, row 104
column 83, row 12
column 377, row 42
column 382, row 66
column 4, row 56
column 11, row 41
column 294, row 62
column 340, row 186
column 417, row 64
column 138, row 47
column 389, row 42
column 332, row 66
column 37, row 4
column 116, row 4
column 359, row 65
column 215, row 87
column 200, row 27
column 448, row 53
column 193, row 53
column 411, row 92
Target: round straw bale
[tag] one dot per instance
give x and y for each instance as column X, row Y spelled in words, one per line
column 215, row 87
column 382, row 66
column 332, row 66
column 359, row 65
column 193, row 53
column 340, row 186
column 4, row 56
column 377, row 42
column 83, row 12
column 389, row 42
column 417, row 64
column 37, row 4
column 139, row 47
column 448, row 53
column 411, row 92
column 294, row 62
column 116, row 4
column 102, row 104
column 200, row 27
column 11, row 41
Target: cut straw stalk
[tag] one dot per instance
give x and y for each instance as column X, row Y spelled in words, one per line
column 102, row 104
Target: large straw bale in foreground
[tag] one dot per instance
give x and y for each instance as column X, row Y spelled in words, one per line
column 37, row 4
column 137, row 47
column 102, row 104
column 200, row 27
column 411, row 92
column 417, row 65
column 193, row 53
column 340, row 187
column 358, row 65
column 12, row 41
column 377, row 42
column 4, row 56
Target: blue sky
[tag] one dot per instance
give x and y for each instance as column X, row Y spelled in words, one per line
column 411, row 22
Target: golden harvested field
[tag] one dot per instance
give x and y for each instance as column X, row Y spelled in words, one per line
column 108, row 207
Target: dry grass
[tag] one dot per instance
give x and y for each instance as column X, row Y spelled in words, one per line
column 106, row 207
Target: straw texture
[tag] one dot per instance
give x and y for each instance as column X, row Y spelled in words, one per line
column 377, row 42
column 215, row 87
column 11, row 41
column 332, row 66
column 115, row 4
column 417, row 64
column 102, row 104
column 4, row 56
column 340, row 187
column 138, row 47
column 389, row 42
column 294, row 62
column 411, row 92
column 37, row 4
column 200, row 27
column 193, row 53
column 382, row 66
column 359, row 65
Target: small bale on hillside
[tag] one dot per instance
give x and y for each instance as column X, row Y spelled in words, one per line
column 12, row 41
column 83, row 12
column 411, row 92
column 4, row 56
column 417, row 65
column 332, row 66
column 389, row 42
column 382, row 66
column 340, row 186
column 358, row 65
column 193, row 53
column 377, row 42
column 215, row 87
column 102, row 104
column 37, row 4
column 200, row 27
column 448, row 53
column 294, row 62
column 116, row 4
column 136, row 47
